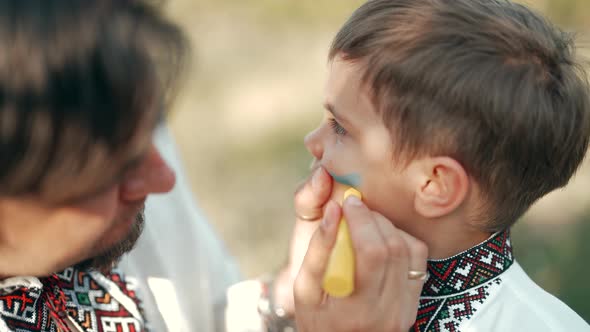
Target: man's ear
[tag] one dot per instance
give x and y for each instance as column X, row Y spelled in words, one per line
column 442, row 187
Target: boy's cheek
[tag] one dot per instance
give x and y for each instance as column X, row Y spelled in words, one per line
column 394, row 200
column 377, row 145
column 345, row 168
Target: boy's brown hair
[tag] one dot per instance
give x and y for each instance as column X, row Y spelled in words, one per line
column 487, row 82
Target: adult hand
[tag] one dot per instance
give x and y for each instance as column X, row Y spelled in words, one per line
column 310, row 200
column 385, row 298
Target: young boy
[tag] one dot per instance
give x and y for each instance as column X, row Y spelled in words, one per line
column 455, row 117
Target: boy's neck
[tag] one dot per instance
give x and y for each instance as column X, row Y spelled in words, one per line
column 441, row 250
column 448, row 241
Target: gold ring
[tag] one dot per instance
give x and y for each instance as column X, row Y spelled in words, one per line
column 307, row 218
column 417, row 275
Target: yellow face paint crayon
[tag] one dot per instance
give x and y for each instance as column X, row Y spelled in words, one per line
column 339, row 277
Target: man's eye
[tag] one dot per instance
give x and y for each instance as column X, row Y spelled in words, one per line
column 337, row 128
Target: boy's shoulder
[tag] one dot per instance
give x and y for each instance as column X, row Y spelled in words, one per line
column 519, row 304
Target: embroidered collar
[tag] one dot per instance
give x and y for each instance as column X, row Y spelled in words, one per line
column 471, row 268
column 72, row 300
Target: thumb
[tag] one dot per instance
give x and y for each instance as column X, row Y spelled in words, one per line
column 313, row 194
column 308, row 285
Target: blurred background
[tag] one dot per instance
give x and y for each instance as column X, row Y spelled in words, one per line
column 255, row 89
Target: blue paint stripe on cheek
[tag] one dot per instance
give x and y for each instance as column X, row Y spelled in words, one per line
column 352, row 179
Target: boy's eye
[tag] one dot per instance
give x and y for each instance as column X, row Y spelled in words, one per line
column 337, row 128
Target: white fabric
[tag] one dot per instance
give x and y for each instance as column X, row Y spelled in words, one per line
column 10, row 284
column 241, row 314
column 521, row 305
column 180, row 266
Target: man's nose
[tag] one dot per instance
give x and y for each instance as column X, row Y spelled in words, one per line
column 152, row 176
column 314, row 144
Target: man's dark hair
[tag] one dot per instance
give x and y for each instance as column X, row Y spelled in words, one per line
column 488, row 82
column 82, row 83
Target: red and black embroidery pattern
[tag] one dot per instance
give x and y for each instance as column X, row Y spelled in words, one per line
column 89, row 303
column 458, row 286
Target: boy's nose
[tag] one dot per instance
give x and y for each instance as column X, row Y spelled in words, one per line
column 313, row 143
column 152, row 176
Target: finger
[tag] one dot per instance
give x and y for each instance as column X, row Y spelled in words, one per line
column 312, row 195
column 417, row 250
column 310, row 200
column 308, row 284
column 397, row 280
column 314, row 164
column 398, row 261
column 369, row 247
column 397, row 246
column 417, row 256
column 418, row 253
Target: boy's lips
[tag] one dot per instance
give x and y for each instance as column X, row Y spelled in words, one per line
column 350, row 179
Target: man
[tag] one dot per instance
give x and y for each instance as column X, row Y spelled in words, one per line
column 82, row 86
column 79, row 98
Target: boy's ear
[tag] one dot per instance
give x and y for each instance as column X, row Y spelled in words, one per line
column 442, row 187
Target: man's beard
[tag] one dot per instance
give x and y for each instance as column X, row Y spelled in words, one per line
column 107, row 259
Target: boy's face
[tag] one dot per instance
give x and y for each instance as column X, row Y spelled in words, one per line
column 352, row 141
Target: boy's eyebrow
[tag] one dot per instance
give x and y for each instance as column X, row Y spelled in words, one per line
column 335, row 113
